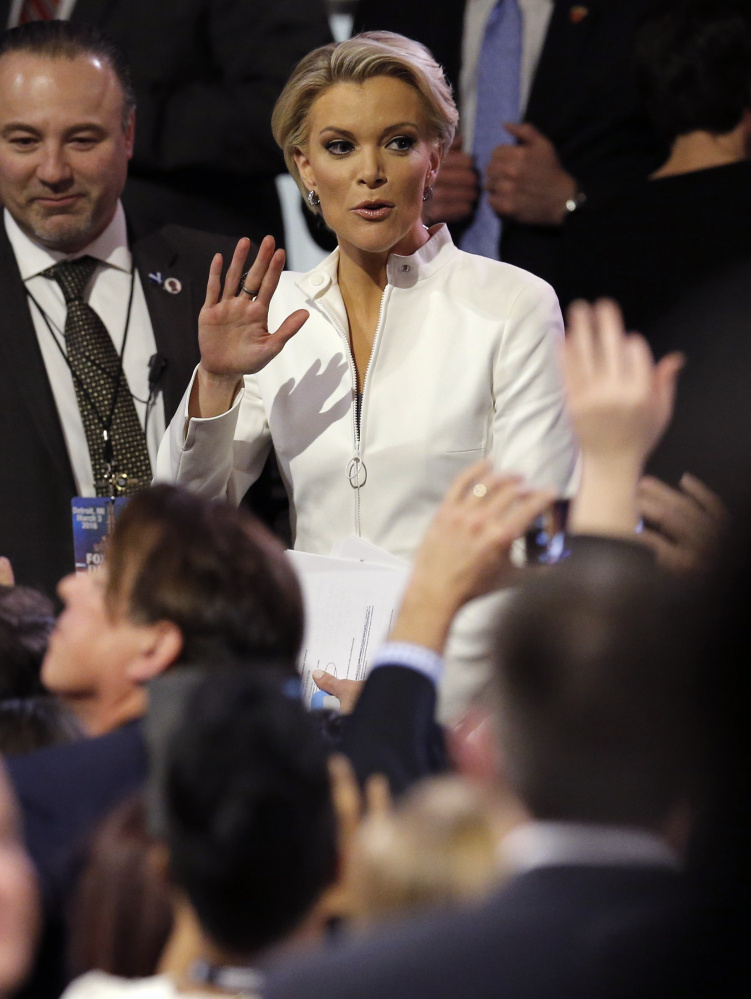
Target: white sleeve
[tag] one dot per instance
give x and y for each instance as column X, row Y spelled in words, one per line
column 532, row 433
column 217, row 457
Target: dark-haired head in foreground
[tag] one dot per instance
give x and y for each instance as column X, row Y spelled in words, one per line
column 186, row 581
column 597, row 708
column 250, row 825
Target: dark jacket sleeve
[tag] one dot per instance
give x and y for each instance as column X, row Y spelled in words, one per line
column 393, row 730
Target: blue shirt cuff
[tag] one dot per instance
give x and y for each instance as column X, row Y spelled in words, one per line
column 410, row 656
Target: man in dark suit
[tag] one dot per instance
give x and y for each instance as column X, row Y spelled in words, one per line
column 206, row 76
column 581, row 126
column 67, row 124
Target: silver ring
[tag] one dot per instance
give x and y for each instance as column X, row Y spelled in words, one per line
column 253, row 294
column 480, row 490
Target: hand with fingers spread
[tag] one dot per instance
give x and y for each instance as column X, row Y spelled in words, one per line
column 233, row 333
column 466, row 551
column 620, row 403
column 527, row 181
column 682, row 526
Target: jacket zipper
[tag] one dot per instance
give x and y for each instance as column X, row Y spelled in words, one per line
column 356, row 465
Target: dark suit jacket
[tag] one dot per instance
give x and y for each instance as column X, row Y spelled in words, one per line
column 393, row 730
column 36, row 483
column 207, row 74
column 63, row 792
column 552, row 933
column 583, row 98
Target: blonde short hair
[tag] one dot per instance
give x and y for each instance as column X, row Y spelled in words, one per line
column 371, row 54
column 436, row 850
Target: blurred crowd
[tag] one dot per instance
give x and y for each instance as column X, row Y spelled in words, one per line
column 173, row 821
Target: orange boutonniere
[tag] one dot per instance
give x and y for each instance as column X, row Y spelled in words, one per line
column 578, row 13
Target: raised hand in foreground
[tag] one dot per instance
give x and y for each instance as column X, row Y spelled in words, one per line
column 620, row 402
column 466, row 551
column 233, row 333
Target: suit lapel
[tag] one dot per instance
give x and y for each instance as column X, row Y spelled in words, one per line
column 173, row 316
column 21, row 361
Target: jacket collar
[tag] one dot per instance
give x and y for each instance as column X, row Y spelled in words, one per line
column 402, row 271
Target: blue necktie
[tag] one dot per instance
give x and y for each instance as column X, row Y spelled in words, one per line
column 497, row 101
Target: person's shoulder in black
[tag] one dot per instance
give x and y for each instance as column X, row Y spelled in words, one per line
column 649, row 244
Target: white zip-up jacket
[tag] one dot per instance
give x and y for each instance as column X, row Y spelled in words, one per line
column 464, row 366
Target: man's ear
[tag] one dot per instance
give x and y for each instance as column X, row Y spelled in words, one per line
column 130, row 133
column 162, row 644
column 306, row 170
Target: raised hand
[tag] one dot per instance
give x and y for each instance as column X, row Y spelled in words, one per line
column 620, row 403
column 466, row 550
column 233, row 333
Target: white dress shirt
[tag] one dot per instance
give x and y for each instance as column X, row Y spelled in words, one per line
column 108, row 295
column 552, row 844
column 535, row 20
column 63, row 14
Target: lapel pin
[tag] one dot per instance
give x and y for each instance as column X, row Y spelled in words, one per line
column 578, row 13
column 173, row 285
column 156, row 277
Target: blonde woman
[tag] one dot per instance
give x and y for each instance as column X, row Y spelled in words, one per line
column 405, row 359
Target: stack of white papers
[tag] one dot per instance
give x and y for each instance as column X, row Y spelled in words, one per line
column 351, row 598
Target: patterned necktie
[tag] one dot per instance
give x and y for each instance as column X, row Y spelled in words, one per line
column 498, row 100
column 97, row 375
column 39, row 10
